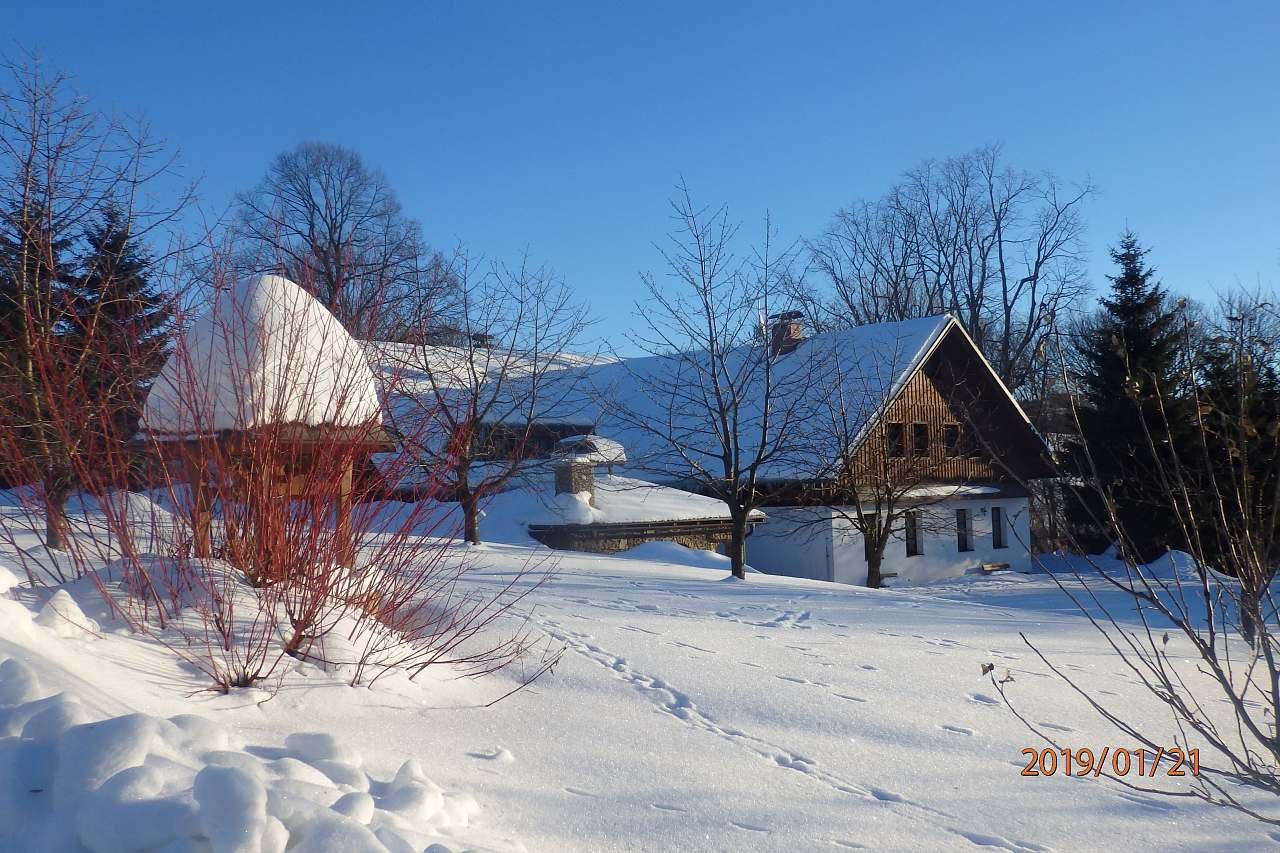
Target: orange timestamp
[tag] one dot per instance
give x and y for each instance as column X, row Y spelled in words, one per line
column 1123, row 762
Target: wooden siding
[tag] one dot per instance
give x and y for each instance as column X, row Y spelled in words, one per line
column 953, row 387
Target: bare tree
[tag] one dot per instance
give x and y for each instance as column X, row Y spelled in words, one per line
column 63, row 166
column 720, row 405
column 1199, row 630
column 491, row 386
column 321, row 216
column 997, row 247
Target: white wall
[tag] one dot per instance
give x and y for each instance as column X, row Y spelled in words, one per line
column 818, row 544
column 795, row 541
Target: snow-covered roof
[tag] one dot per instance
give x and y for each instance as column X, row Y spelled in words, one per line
column 266, row 353
column 864, row 366
column 617, row 500
column 595, row 449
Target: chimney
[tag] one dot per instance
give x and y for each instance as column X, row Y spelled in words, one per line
column 786, row 332
column 574, row 460
column 575, row 474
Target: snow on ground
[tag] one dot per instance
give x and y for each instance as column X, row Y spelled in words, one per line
column 687, row 713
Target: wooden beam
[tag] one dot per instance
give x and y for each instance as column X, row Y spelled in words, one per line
column 346, row 550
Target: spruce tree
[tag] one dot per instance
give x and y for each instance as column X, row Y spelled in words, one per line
column 120, row 320
column 1132, row 416
column 34, row 312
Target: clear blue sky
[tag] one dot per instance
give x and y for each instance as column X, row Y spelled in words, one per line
column 562, row 127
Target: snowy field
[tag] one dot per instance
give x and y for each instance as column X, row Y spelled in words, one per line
column 689, row 712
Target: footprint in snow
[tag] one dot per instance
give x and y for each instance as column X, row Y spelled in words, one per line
column 959, row 730
column 578, row 792
column 1057, row 727
column 847, row 696
column 665, row 807
column 749, row 827
column 870, row 667
column 848, row 845
column 983, row 699
column 793, row 679
column 1000, row 842
column 498, row 755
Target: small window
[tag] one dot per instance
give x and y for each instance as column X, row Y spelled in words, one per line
column 894, row 440
column 951, row 440
column 997, row 527
column 914, row 545
column 964, row 532
column 920, row 439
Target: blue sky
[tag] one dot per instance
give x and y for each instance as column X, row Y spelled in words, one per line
column 563, row 127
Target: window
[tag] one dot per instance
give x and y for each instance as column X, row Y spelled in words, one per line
column 997, row 527
column 894, row 440
column 920, row 439
column 951, row 440
column 914, row 546
column 964, row 533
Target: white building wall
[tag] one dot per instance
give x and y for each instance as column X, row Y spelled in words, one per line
column 799, row 542
column 795, row 541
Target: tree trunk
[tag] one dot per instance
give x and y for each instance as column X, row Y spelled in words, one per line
column 1250, row 614
column 736, row 547
column 470, row 518
column 57, row 530
column 874, row 578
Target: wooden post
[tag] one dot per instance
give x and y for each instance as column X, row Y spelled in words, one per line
column 201, row 515
column 346, row 549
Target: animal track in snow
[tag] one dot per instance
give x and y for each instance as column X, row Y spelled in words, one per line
column 847, row 696
column 959, row 730
column 1001, row 842
column 578, row 792
column 1057, row 727
column 983, row 699
column 749, row 827
column 666, row 807
column 680, row 705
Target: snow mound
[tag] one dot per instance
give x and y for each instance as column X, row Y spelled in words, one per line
column 143, row 783
column 8, row 579
column 267, row 353
column 674, row 552
column 63, row 617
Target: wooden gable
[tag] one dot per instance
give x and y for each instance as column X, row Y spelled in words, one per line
column 952, row 421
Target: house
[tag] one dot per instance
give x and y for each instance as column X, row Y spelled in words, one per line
column 924, row 433
column 944, row 450
column 904, row 419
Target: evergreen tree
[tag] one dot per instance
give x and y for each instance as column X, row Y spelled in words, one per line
column 34, row 312
column 1132, row 415
column 120, row 321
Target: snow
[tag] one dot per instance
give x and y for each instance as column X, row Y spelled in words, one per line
column 595, row 449
column 686, row 713
column 617, row 499
column 267, row 353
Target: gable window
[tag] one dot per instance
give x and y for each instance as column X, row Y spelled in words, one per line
column 920, row 439
column 951, row 440
column 997, row 527
column 964, row 531
column 894, row 441
column 915, row 547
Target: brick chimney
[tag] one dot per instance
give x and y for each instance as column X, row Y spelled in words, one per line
column 786, row 332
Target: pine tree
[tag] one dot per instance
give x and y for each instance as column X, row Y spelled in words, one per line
column 120, row 320
column 33, row 317
column 1132, row 415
